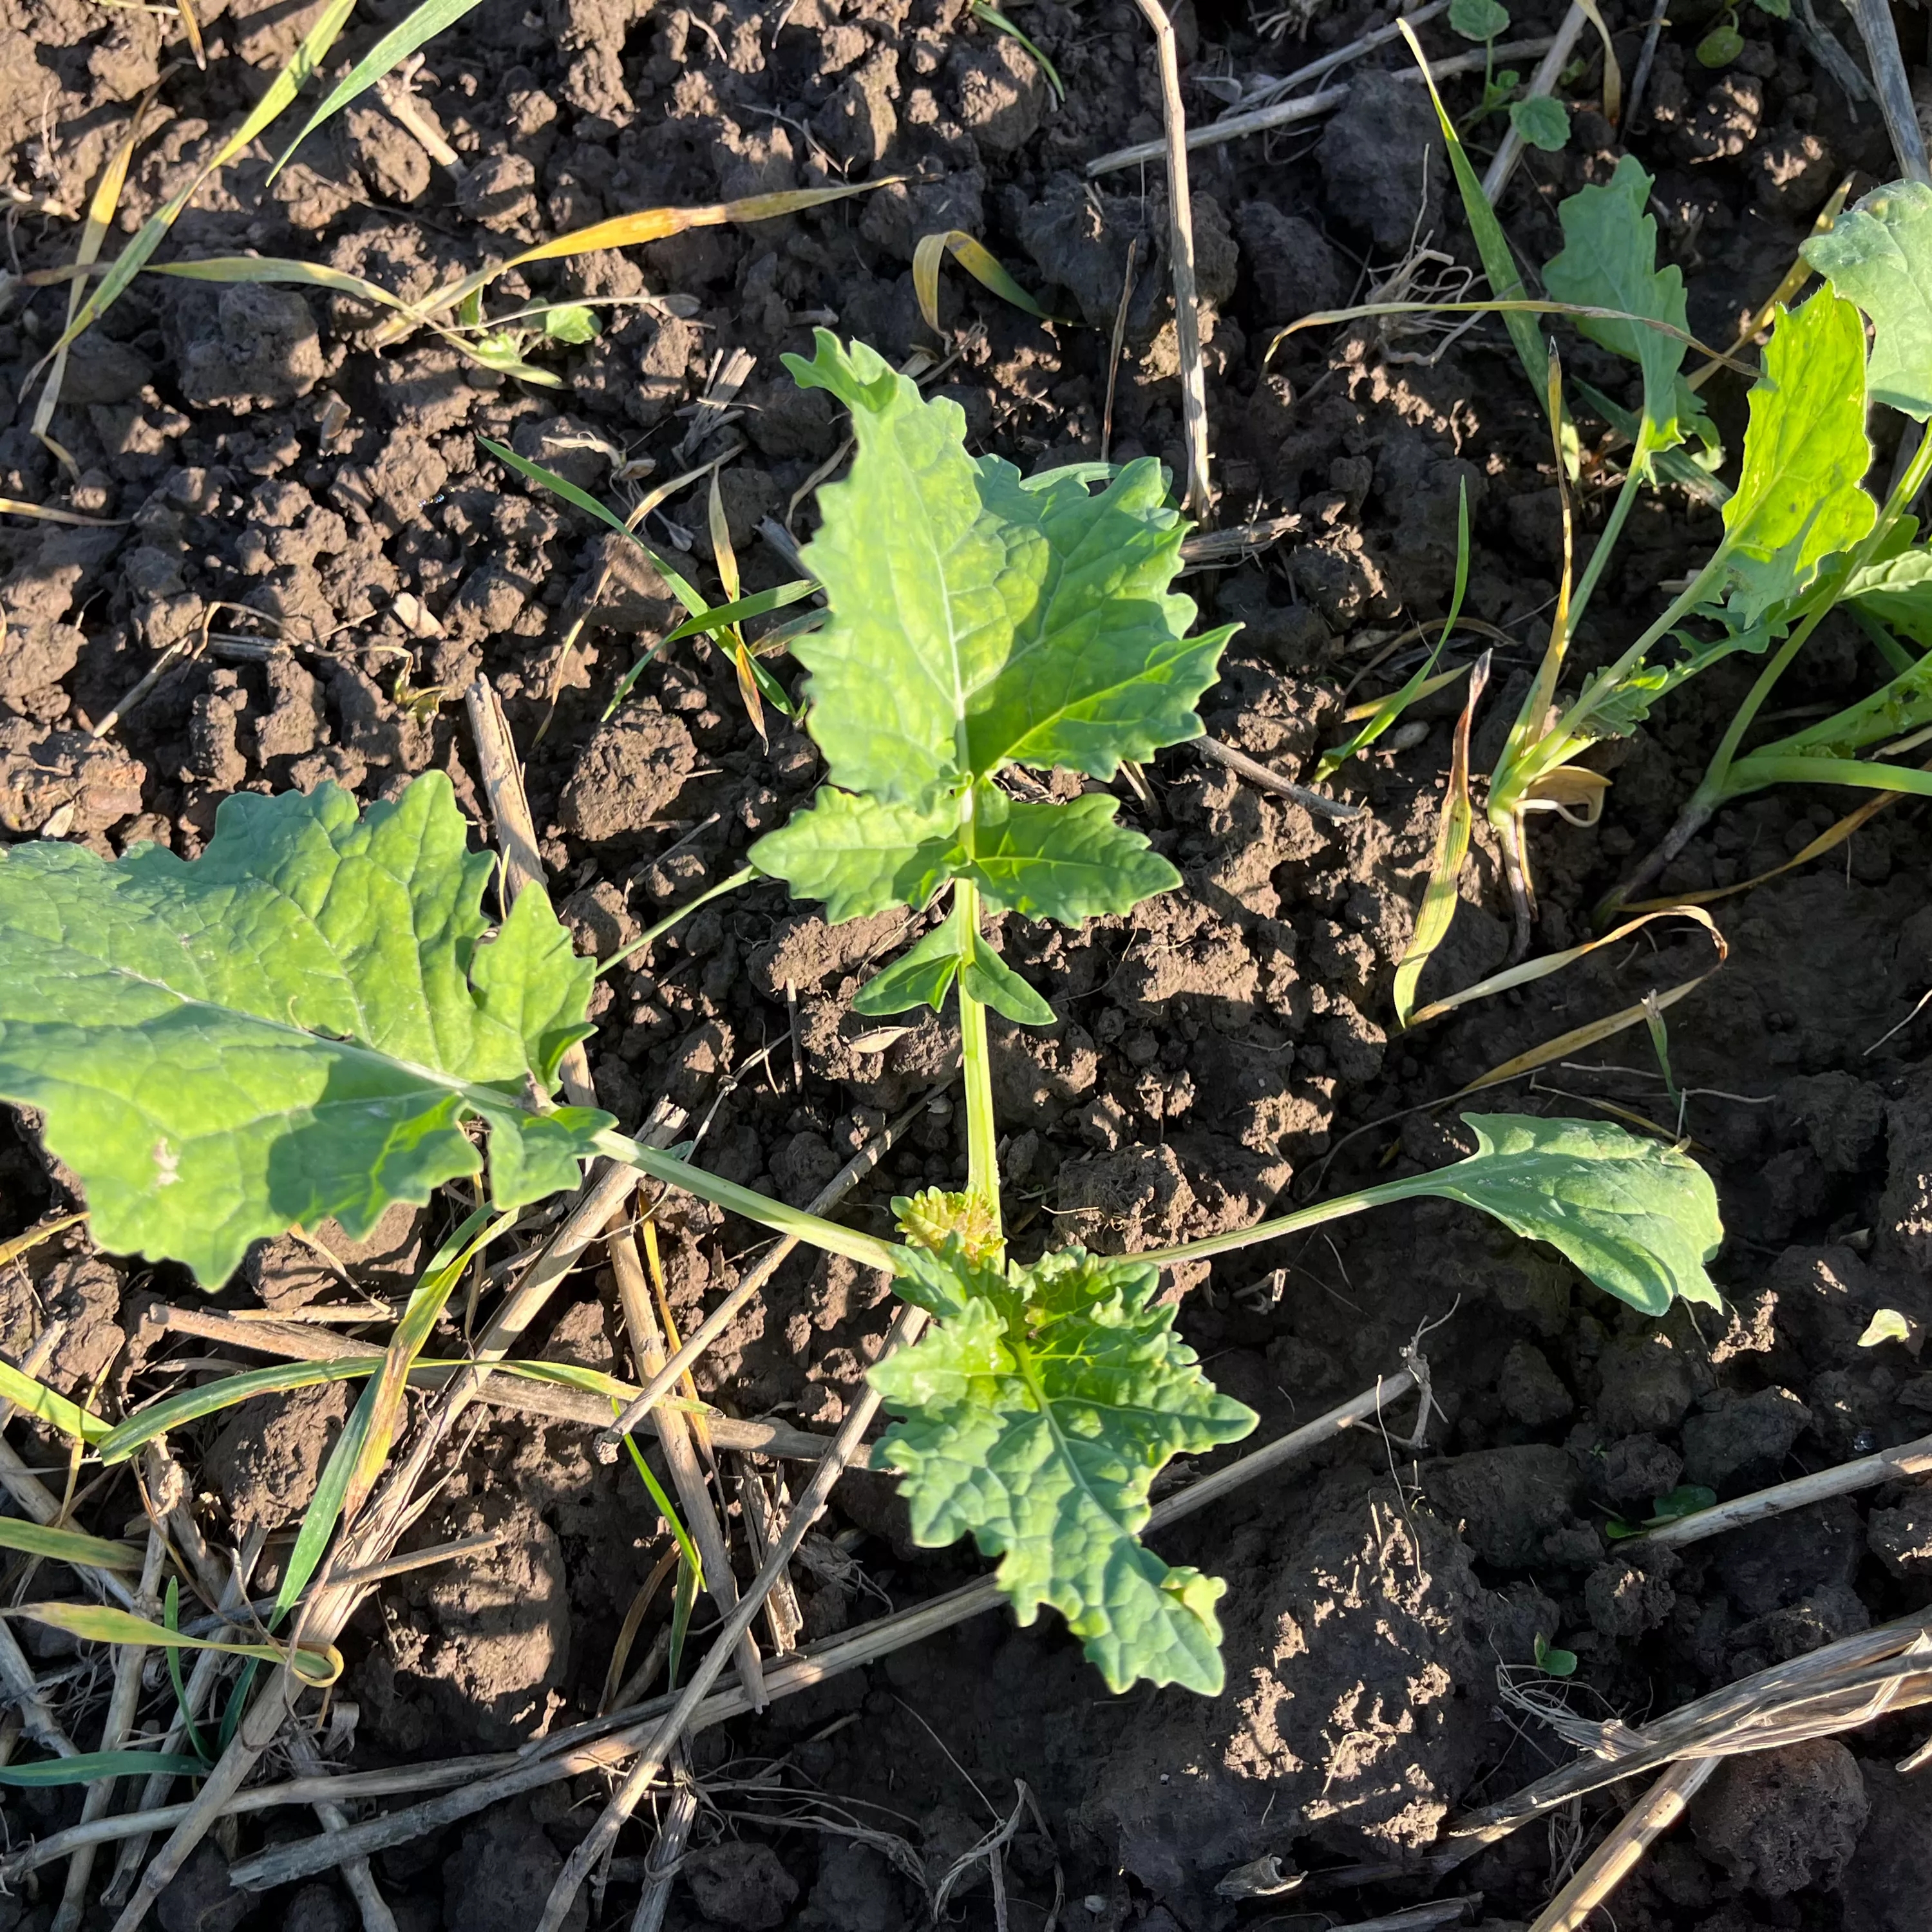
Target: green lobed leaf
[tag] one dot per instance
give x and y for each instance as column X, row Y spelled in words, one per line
column 1639, row 1218
column 1608, row 260
column 975, row 619
column 1879, row 254
column 990, row 980
column 1673, row 465
column 1033, row 1417
column 860, row 855
column 572, row 322
column 1897, row 591
column 1721, row 46
column 1902, row 705
column 1799, row 498
column 1069, row 862
column 296, row 1024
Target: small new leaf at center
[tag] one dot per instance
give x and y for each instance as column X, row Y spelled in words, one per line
column 1035, row 1414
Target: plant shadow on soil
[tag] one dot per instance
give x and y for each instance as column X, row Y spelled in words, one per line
column 1210, row 1052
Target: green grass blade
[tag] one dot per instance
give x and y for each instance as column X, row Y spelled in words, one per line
column 388, row 54
column 89, row 1767
column 1672, row 465
column 133, row 259
column 78, row 1424
column 693, row 1562
column 983, row 10
column 318, row 1665
column 412, row 1333
column 681, row 587
column 319, row 1522
column 1754, row 773
column 1399, row 700
column 157, row 1418
column 171, row 1616
column 756, row 605
column 1505, row 279
column 688, row 1582
column 271, row 268
column 66, row 1545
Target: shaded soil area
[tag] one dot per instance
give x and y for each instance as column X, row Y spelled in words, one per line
column 315, row 523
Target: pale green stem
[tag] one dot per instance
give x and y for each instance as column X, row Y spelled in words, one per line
column 656, row 932
column 1715, row 785
column 812, row 1229
column 982, row 1166
column 1338, row 1210
column 1619, row 515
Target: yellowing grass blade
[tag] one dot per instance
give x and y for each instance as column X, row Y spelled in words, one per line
column 1573, row 792
column 312, row 274
column 649, row 224
column 67, row 1545
column 978, row 261
column 94, row 232
column 274, row 268
column 11, row 506
column 1613, row 75
column 1829, row 840
column 1578, row 1038
column 383, row 59
column 413, row 1332
column 11, row 1251
column 1532, row 970
column 1370, row 707
column 78, row 1424
column 1452, row 847
column 191, row 26
column 722, row 552
column 317, row 1665
column 656, row 224
column 726, row 559
column 283, row 89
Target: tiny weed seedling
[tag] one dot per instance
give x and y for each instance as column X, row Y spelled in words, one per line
column 1724, row 42
column 1485, row 21
column 1687, row 1499
column 1552, row 1661
column 1540, row 119
column 313, row 1018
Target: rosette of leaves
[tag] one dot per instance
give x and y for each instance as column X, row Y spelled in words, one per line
column 979, row 620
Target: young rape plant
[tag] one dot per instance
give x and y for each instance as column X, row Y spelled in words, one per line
column 310, row 1019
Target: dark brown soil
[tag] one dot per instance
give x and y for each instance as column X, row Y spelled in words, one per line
column 1211, row 1050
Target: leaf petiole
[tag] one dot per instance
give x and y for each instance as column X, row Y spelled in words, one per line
column 983, row 1166
column 651, row 934
column 781, row 1218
